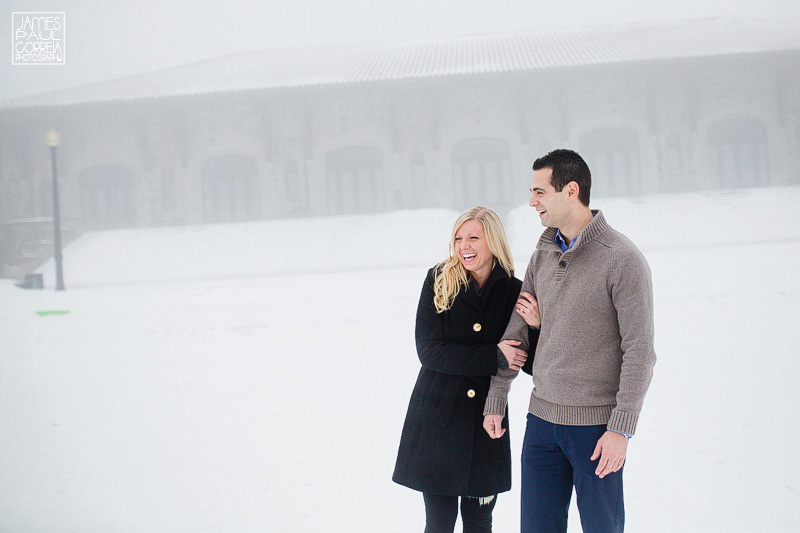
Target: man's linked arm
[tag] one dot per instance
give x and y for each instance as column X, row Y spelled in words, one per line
column 517, row 329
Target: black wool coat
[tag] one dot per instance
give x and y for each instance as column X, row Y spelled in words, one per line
column 444, row 448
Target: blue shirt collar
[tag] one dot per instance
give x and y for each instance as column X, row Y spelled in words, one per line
column 562, row 242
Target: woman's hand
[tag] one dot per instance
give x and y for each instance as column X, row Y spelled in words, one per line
column 493, row 424
column 515, row 357
column 528, row 308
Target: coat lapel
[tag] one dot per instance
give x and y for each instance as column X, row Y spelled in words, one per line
column 471, row 297
column 497, row 274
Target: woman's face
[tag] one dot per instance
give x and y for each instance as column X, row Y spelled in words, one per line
column 473, row 250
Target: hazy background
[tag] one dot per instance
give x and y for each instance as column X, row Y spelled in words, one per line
column 156, row 401
column 111, row 39
column 198, row 385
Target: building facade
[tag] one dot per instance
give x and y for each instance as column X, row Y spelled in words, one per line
column 426, row 133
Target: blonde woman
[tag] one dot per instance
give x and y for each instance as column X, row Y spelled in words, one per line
column 464, row 307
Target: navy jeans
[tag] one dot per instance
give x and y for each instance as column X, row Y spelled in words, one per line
column 554, row 459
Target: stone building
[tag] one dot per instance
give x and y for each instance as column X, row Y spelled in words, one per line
column 653, row 108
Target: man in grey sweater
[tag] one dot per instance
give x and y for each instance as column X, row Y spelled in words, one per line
column 589, row 290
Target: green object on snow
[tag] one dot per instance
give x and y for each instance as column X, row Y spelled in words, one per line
column 44, row 313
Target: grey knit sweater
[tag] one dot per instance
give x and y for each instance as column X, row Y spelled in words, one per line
column 595, row 357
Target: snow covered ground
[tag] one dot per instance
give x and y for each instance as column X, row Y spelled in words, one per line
column 254, row 377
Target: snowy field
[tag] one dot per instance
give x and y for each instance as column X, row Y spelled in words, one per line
column 254, row 377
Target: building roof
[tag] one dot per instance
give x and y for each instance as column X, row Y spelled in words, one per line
column 360, row 63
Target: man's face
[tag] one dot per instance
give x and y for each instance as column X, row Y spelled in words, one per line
column 550, row 204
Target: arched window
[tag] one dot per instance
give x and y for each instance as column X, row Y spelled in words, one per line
column 230, row 189
column 355, row 180
column 107, row 197
column 421, row 195
column 737, row 153
column 482, row 173
column 613, row 157
column 796, row 176
column 672, row 154
column 292, row 183
column 169, row 193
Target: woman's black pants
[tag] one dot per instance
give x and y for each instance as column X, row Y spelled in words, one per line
column 441, row 513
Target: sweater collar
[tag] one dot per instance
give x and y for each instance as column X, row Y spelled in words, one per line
column 591, row 231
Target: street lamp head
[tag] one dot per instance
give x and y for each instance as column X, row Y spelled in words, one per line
column 52, row 138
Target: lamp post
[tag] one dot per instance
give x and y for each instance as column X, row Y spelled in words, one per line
column 53, row 138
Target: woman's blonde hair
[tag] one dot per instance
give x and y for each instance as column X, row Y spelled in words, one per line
column 450, row 275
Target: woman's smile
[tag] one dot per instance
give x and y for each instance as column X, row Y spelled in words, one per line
column 473, row 250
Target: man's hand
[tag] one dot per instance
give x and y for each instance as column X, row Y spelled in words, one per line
column 493, row 424
column 611, row 449
column 515, row 357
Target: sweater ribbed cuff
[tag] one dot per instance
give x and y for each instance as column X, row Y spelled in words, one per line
column 622, row 422
column 495, row 406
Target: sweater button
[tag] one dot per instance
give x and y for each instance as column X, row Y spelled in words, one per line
column 470, row 393
column 476, row 327
column 562, row 264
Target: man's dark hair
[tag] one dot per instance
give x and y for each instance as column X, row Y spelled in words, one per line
column 567, row 166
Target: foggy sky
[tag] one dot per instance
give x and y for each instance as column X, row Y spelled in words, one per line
column 112, row 39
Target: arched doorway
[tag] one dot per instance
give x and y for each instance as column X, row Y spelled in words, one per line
column 738, row 153
column 107, row 197
column 230, row 189
column 613, row 158
column 482, row 173
column 355, row 180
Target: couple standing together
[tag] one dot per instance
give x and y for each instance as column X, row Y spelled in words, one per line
column 581, row 323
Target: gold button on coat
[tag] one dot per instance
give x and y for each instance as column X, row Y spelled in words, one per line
column 476, row 326
column 470, row 393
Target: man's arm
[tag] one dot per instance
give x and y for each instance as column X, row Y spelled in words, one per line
column 516, row 330
column 632, row 295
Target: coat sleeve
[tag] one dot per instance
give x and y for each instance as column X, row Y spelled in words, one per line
column 448, row 357
column 533, row 340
